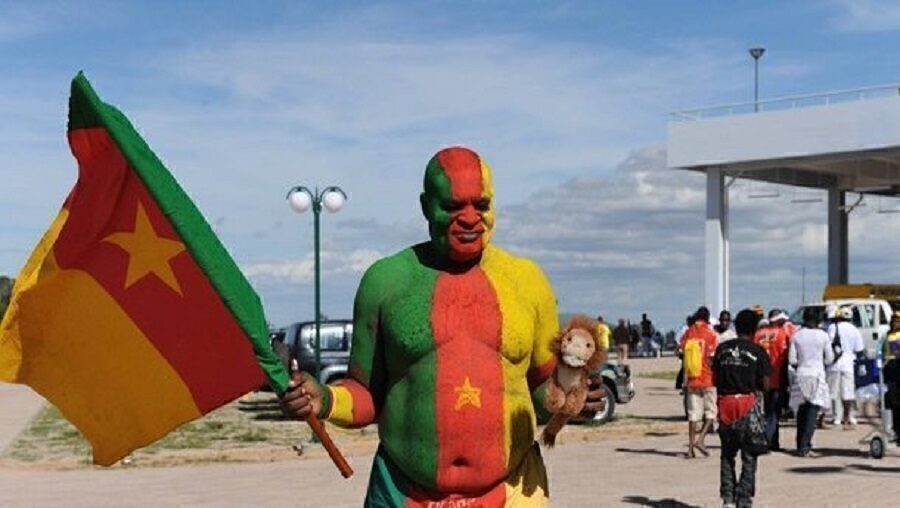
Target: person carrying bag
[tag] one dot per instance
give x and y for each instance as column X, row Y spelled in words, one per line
column 741, row 369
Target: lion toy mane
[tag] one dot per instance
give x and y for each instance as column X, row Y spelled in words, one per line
column 578, row 354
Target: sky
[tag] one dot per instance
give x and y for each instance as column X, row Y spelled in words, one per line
column 567, row 101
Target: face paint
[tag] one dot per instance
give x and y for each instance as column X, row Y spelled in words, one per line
column 457, row 203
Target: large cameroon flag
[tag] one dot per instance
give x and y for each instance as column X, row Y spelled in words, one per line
column 130, row 316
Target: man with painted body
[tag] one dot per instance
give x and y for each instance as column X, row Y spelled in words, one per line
column 450, row 354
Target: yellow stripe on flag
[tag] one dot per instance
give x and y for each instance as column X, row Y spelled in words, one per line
column 10, row 343
column 82, row 351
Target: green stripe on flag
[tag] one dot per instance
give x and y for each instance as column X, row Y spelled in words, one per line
column 87, row 110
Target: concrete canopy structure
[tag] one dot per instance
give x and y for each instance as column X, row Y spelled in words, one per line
column 846, row 141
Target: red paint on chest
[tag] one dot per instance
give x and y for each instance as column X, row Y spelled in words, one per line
column 466, row 322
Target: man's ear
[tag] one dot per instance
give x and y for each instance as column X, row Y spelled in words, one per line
column 423, row 203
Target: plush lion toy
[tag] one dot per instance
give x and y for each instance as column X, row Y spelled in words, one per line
column 578, row 354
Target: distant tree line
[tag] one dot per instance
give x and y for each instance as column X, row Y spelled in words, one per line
column 6, row 285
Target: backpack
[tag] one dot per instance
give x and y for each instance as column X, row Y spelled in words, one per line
column 693, row 358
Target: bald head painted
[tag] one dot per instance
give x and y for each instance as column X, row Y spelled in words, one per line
column 458, row 203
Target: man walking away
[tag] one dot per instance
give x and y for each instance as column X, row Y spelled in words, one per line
column 621, row 339
column 740, row 369
column 774, row 339
column 841, row 383
column 647, row 332
column 698, row 345
column 809, row 352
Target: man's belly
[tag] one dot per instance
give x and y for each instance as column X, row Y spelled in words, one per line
column 475, row 437
column 460, row 413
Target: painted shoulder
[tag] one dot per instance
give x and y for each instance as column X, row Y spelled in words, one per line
column 499, row 259
column 393, row 271
column 521, row 273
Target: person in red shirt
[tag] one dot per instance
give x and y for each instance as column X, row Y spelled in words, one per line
column 775, row 339
column 697, row 348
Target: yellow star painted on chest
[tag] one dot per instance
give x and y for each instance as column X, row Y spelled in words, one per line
column 147, row 252
column 468, row 395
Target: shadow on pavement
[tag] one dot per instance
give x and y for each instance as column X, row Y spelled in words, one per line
column 660, row 434
column 260, row 407
column 840, row 452
column 656, row 503
column 664, row 418
column 270, row 417
column 652, row 451
column 815, row 469
column 875, row 469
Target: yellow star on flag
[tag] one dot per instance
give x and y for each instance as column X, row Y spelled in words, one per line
column 468, row 395
column 147, row 252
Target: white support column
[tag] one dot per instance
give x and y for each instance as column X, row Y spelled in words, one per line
column 838, row 251
column 716, row 241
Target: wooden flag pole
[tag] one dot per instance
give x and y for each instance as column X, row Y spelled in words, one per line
column 319, row 430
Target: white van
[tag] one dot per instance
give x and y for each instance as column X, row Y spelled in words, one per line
column 870, row 315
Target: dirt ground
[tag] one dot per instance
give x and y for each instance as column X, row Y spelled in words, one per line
column 639, row 461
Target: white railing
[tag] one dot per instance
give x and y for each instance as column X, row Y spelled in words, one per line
column 782, row 103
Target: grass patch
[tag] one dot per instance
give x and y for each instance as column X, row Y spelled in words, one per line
column 253, row 430
column 665, row 375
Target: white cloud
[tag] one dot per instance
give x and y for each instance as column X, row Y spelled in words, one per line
column 303, row 271
column 632, row 242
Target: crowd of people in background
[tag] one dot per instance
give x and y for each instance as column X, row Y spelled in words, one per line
column 633, row 340
column 741, row 377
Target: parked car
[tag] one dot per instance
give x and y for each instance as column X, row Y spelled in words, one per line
column 619, row 390
column 870, row 315
column 334, row 354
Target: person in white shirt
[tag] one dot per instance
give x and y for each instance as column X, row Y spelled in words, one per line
column 810, row 351
column 724, row 328
column 841, row 383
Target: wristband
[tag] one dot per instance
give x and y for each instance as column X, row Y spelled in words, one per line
column 327, row 400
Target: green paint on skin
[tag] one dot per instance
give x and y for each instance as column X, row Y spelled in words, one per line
column 400, row 369
column 438, row 191
column 537, row 398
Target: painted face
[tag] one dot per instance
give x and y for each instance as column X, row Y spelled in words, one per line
column 457, row 202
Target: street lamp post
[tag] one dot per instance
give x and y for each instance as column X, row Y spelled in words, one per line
column 301, row 199
column 756, row 53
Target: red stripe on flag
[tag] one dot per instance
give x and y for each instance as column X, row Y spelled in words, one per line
column 194, row 331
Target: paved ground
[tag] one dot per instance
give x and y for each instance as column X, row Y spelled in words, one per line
column 18, row 405
column 644, row 470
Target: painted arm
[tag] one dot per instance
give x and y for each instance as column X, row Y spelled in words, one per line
column 546, row 326
column 356, row 401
